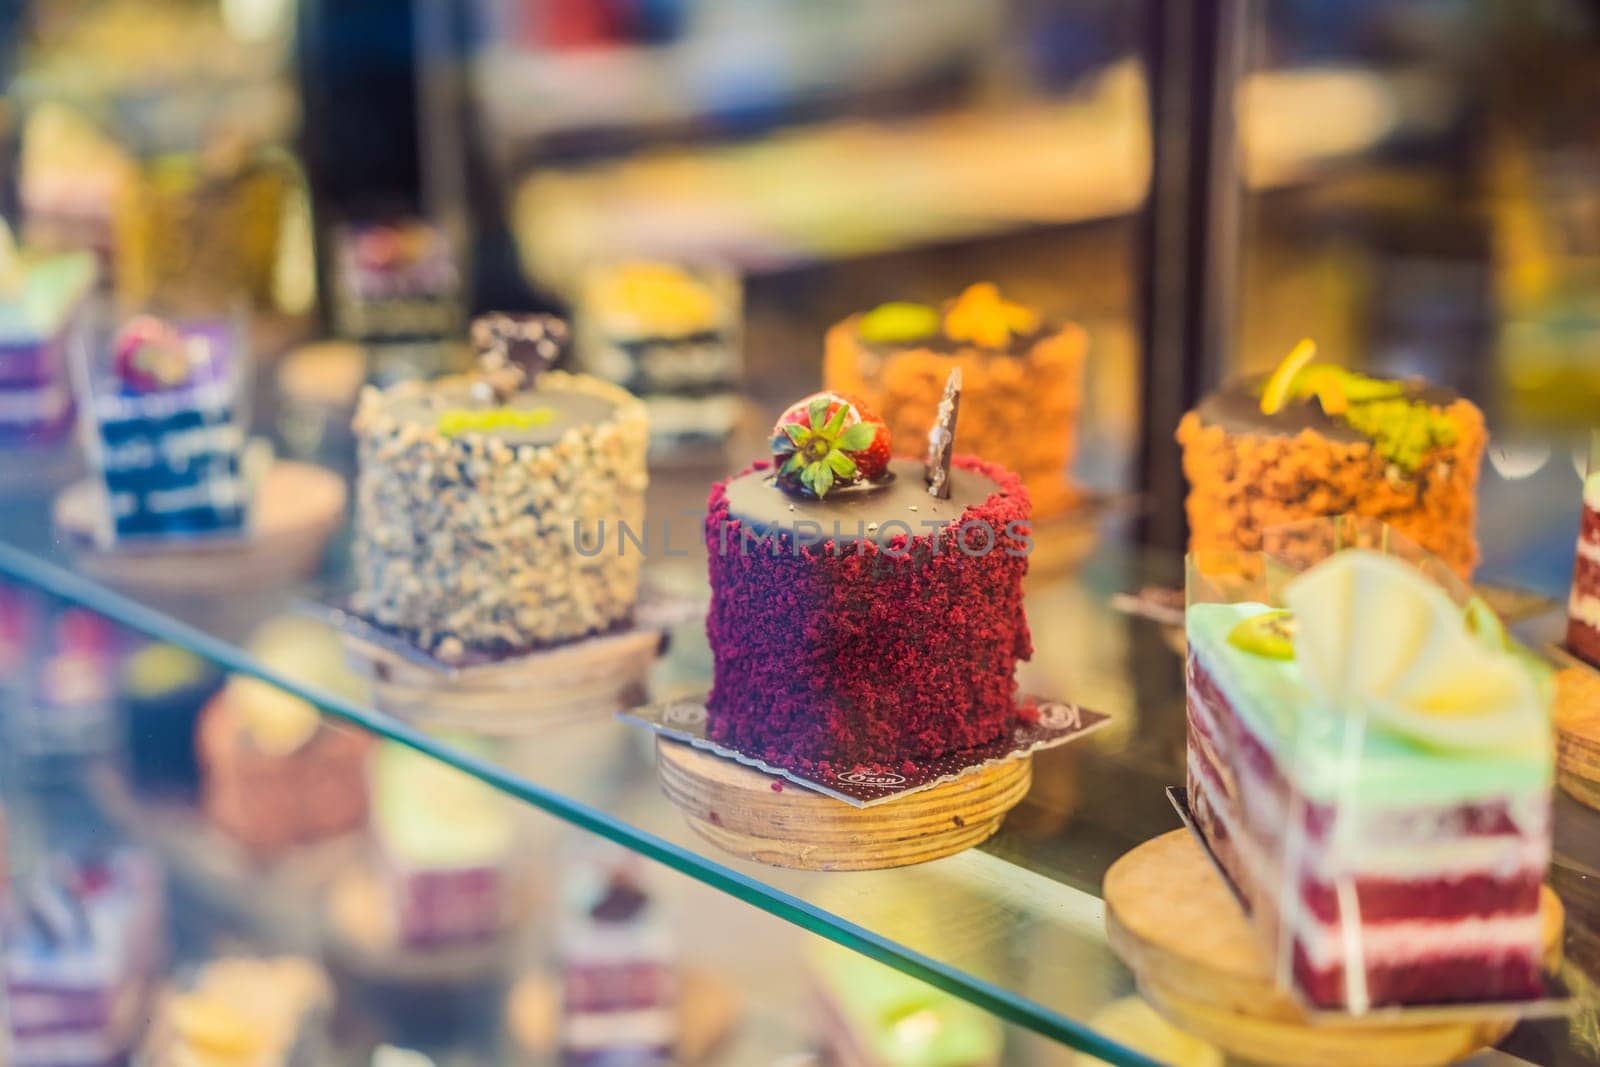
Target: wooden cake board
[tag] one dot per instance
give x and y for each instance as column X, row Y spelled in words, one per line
column 1175, row 923
column 298, row 509
column 579, row 680
column 760, row 817
column 1577, row 723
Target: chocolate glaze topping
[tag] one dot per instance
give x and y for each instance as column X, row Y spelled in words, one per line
column 1236, row 408
column 754, row 499
column 571, row 409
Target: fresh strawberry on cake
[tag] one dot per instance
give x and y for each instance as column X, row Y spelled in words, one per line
column 866, row 611
column 1372, row 767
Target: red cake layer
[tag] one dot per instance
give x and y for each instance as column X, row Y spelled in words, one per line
column 1583, row 639
column 1469, row 977
column 1472, row 973
column 828, row 661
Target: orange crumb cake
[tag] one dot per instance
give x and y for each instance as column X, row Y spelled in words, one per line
column 1313, row 441
column 1020, row 374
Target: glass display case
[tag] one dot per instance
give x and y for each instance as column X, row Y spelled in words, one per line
column 230, row 766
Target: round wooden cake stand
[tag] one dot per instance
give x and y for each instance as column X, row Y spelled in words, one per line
column 594, row 676
column 1577, row 722
column 298, row 509
column 1176, row 925
column 760, row 817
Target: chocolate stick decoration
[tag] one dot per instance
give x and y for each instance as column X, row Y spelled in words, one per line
column 942, row 437
column 513, row 350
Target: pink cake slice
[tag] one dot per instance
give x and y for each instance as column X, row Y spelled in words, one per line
column 1583, row 606
column 1379, row 871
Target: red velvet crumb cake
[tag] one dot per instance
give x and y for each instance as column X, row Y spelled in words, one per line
column 858, row 620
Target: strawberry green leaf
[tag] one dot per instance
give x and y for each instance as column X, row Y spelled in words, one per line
column 795, row 462
column 797, row 433
column 818, row 412
column 842, row 465
column 857, row 437
column 836, row 423
column 822, row 481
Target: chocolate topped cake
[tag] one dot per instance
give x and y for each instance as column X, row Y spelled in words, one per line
column 1315, row 441
column 474, row 500
column 857, row 620
column 1021, row 374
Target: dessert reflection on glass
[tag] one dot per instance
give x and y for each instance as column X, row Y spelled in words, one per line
column 1371, row 765
column 1314, row 440
column 1022, row 380
column 857, row 618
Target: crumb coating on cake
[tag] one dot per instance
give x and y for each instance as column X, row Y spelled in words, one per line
column 1242, row 484
column 467, row 542
column 1017, row 409
column 826, row 662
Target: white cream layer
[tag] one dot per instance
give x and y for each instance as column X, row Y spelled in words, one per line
column 1584, row 608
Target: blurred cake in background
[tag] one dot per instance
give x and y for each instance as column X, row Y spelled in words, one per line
column 619, row 967
column 875, row 1016
column 167, row 430
column 669, row 334
column 273, row 773
column 1583, row 604
column 1021, row 381
column 395, row 282
column 1314, row 441
column 82, row 946
column 201, row 229
column 474, row 493
column 68, row 707
column 71, row 176
column 446, row 848
column 43, row 302
column 241, row 1012
column 164, row 687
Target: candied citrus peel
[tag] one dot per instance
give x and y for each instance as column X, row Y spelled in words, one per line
column 980, row 315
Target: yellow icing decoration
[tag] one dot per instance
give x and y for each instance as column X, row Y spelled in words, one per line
column 657, row 299
column 210, row 1025
column 464, row 420
column 277, row 721
column 898, row 322
column 1279, row 386
column 980, row 315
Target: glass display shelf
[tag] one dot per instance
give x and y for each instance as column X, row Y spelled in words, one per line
column 1015, row 926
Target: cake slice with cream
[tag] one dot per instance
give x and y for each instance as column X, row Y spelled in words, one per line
column 1583, row 606
column 1372, row 768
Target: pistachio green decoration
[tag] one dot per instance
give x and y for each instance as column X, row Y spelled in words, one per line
column 1403, row 430
column 465, row 420
column 899, row 322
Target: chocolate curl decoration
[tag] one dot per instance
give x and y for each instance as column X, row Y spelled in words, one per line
column 942, row 437
column 513, row 350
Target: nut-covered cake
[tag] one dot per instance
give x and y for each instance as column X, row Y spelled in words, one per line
column 1022, row 380
column 1372, row 768
column 1314, row 441
column 865, row 611
column 480, row 500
